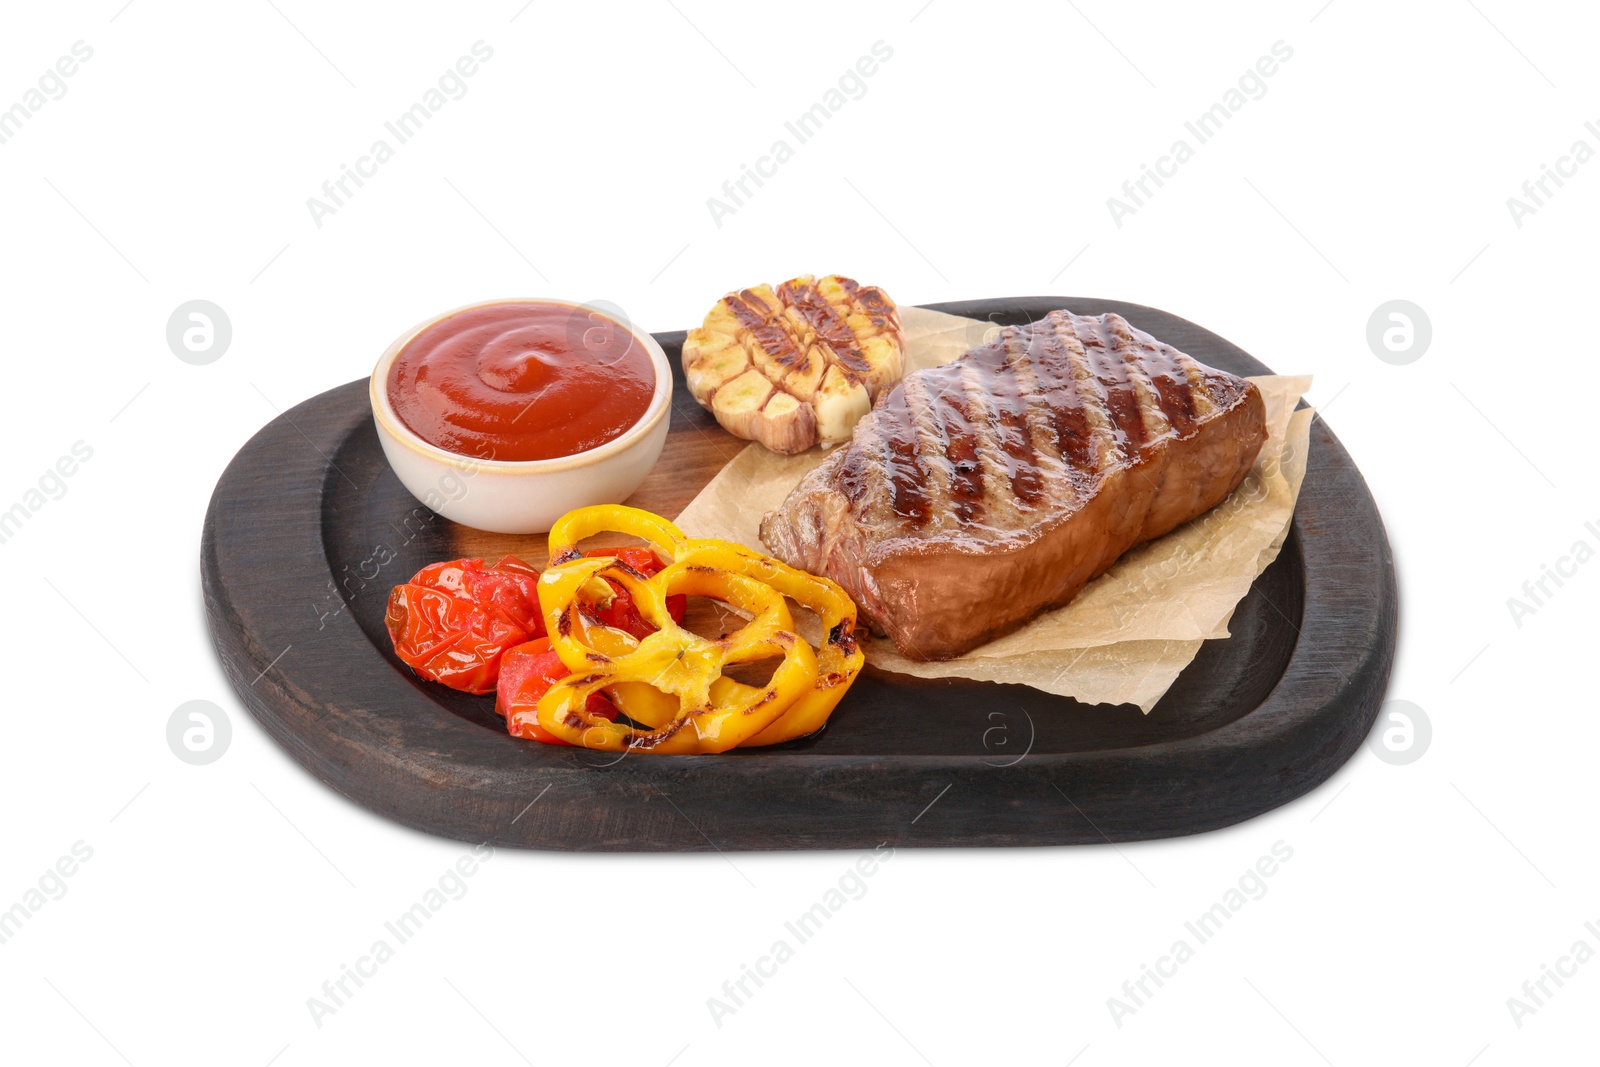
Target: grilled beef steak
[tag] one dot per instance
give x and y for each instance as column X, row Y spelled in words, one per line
column 977, row 494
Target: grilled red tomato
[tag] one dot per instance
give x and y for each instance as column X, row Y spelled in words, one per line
column 454, row 621
column 526, row 673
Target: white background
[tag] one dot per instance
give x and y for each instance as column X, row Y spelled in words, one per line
column 978, row 163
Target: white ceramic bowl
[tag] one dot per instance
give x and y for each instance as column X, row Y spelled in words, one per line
column 528, row 496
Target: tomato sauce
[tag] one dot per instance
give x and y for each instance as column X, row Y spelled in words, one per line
column 522, row 381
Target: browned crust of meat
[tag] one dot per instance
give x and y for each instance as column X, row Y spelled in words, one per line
column 979, row 494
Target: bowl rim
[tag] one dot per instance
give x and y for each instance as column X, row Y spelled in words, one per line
column 391, row 423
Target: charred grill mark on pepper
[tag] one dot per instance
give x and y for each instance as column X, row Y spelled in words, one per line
column 657, row 737
column 843, row 635
column 625, row 568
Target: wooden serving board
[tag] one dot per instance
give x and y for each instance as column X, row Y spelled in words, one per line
column 309, row 529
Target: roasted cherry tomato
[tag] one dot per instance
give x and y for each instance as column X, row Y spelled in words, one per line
column 454, row 621
column 526, row 673
column 621, row 613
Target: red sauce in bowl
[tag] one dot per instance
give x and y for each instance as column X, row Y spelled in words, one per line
column 522, row 381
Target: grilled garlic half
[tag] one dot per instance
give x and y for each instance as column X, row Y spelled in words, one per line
column 798, row 365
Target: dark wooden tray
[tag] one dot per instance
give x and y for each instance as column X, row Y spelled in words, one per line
column 308, row 529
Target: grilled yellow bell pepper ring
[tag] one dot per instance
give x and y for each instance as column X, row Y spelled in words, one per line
column 671, row 682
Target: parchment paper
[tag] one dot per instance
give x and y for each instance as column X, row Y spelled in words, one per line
column 1124, row 638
